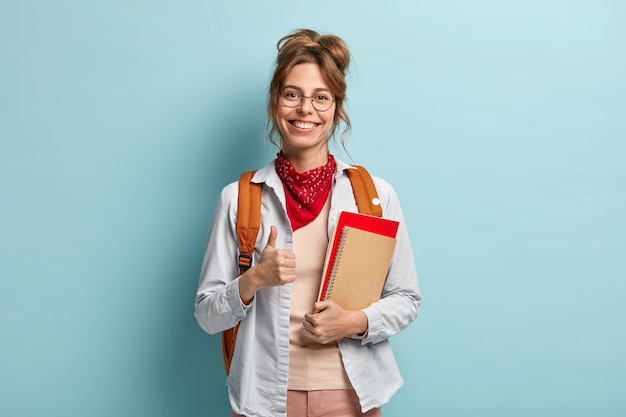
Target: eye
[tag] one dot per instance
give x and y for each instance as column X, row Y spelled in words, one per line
column 323, row 97
column 291, row 95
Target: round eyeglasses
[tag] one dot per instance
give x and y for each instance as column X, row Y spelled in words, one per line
column 321, row 100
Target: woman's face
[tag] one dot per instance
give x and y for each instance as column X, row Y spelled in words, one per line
column 303, row 128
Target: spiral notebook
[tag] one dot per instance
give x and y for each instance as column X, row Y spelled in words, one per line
column 358, row 259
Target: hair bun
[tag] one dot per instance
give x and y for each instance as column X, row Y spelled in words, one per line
column 312, row 41
column 337, row 50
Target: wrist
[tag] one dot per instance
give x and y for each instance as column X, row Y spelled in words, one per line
column 248, row 286
column 359, row 323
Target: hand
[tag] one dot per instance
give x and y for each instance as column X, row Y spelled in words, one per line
column 275, row 267
column 329, row 322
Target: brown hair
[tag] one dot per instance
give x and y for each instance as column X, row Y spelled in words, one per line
column 306, row 46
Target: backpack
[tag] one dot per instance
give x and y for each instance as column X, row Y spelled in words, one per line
column 249, row 223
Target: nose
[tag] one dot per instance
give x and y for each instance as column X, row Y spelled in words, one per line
column 306, row 105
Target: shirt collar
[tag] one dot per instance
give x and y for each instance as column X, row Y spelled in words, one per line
column 268, row 175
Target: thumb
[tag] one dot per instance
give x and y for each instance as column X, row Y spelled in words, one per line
column 321, row 306
column 271, row 242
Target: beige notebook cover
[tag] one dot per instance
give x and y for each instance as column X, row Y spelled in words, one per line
column 360, row 269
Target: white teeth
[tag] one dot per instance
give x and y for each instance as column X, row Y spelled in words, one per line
column 304, row 125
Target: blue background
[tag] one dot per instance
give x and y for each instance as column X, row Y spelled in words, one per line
column 502, row 126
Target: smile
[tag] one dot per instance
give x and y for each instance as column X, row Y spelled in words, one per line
column 303, row 125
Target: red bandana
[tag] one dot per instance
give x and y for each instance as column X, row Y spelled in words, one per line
column 306, row 192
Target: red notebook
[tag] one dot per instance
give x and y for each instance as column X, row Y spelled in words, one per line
column 378, row 225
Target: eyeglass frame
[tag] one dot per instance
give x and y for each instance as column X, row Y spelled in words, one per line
column 302, row 97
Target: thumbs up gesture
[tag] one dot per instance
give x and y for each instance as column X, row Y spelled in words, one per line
column 276, row 267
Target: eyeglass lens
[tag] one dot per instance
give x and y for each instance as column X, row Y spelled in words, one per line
column 322, row 100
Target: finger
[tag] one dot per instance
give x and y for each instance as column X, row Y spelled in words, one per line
column 322, row 305
column 314, row 311
column 286, row 254
column 310, row 328
column 309, row 331
column 289, row 263
column 289, row 278
column 308, row 318
column 271, row 241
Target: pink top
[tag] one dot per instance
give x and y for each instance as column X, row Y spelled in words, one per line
column 312, row 366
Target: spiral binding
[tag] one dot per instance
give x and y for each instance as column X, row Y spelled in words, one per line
column 342, row 241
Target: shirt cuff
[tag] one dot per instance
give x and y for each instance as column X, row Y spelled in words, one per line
column 237, row 306
column 374, row 324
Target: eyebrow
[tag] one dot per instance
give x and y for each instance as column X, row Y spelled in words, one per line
column 315, row 90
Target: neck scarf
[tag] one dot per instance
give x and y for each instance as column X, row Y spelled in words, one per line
column 306, row 192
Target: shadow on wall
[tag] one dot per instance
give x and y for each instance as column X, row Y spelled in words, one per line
column 191, row 361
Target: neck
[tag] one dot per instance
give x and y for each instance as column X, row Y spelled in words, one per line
column 306, row 161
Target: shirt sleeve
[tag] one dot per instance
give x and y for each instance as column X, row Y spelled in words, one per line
column 218, row 306
column 400, row 299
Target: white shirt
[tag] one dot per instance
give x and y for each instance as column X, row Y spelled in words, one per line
column 257, row 383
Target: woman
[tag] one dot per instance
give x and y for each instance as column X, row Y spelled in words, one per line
column 294, row 354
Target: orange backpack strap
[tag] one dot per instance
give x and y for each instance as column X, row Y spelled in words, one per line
column 364, row 191
column 248, row 218
column 248, row 225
